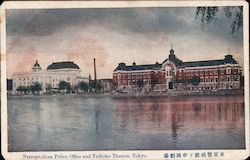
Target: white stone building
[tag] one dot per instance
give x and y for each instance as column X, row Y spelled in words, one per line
column 49, row 78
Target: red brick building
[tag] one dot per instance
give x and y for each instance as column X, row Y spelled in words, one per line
column 174, row 74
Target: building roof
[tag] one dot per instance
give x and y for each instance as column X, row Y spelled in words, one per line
column 63, row 65
column 36, row 64
column 179, row 63
column 123, row 67
column 227, row 59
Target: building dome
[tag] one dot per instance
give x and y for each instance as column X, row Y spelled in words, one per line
column 63, row 65
column 36, row 67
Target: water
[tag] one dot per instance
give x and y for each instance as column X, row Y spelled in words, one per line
column 77, row 124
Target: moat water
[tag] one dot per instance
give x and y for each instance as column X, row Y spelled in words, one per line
column 163, row 123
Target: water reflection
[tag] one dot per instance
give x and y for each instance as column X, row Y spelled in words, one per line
column 190, row 117
column 126, row 123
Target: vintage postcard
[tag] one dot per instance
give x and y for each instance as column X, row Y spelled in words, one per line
column 102, row 80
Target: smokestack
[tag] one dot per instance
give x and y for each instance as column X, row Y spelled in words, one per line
column 94, row 70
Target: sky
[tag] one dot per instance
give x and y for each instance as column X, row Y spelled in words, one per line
column 141, row 35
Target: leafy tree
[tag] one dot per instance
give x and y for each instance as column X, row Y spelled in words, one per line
column 22, row 89
column 195, row 80
column 36, row 87
column 209, row 15
column 83, row 86
column 99, row 86
column 154, row 81
column 63, row 85
column 95, row 85
column 92, row 85
column 140, row 84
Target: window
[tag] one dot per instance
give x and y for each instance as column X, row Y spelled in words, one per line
column 228, row 78
column 133, row 82
column 211, row 79
column 216, row 79
column 129, row 82
column 222, row 72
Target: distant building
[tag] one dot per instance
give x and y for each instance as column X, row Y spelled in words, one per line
column 174, row 74
column 49, row 78
column 107, row 85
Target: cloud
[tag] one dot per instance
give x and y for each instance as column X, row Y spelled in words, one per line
column 113, row 35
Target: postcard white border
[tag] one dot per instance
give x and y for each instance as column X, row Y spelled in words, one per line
column 151, row 154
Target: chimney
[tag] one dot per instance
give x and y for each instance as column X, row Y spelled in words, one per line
column 94, row 70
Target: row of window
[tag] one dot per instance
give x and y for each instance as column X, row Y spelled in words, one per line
column 207, row 79
column 207, row 72
column 221, row 79
column 210, row 87
column 53, row 80
column 133, row 82
column 136, row 75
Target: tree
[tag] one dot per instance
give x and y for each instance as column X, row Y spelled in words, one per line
column 63, row 85
column 154, row 81
column 95, row 85
column 195, row 80
column 22, row 89
column 140, row 84
column 209, row 15
column 36, row 87
column 83, row 86
column 92, row 85
column 99, row 86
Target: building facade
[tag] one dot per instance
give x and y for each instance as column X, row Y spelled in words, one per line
column 49, row 78
column 107, row 85
column 175, row 75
